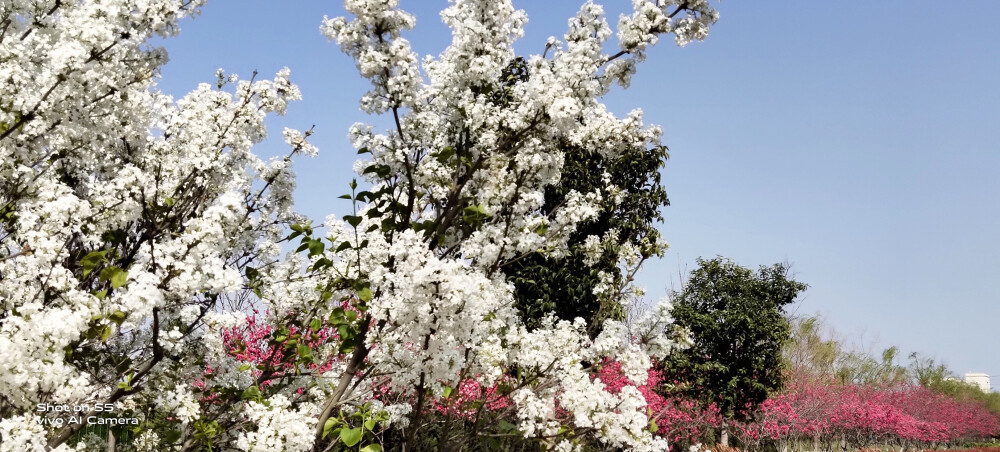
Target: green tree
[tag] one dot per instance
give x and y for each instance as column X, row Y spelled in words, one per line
column 564, row 286
column 813, row 351
column 859, row 367
column 737, row 323
column 810, row 351
column 926, row 371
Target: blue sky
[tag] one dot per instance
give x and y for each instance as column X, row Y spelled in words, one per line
column 856, row 141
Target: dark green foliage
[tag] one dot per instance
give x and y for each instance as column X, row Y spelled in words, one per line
column 737, row 322
column 564, row 286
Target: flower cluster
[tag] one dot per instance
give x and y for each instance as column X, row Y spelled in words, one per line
column 278, row 427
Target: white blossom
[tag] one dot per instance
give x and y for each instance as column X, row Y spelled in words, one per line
column 277, row 427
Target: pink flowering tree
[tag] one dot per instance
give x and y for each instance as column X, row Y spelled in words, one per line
column 866, row 416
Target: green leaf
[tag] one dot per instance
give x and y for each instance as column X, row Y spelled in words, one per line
column 304, row 351
column 315, row 324
column 379, row 170
column 118, row 317
column 337, row 316
column 322, row 263
column 329, row 425
column 169, row 202
column 447, row 391
column 117, row 276
column 474, row 214
column 365, row 294
column 476, row 209
column 350, row 436
column 444, row 154
column 316, row 247
column 90, row 261
column 250, row 393
column 370, row 423
column 371, row 448
column 353, row 220
column 105, row 333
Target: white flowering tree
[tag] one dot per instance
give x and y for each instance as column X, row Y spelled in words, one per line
column 126, row 215
column 142, row 283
